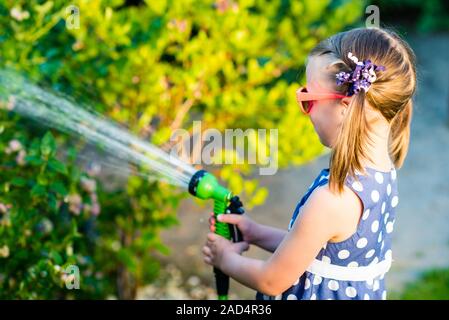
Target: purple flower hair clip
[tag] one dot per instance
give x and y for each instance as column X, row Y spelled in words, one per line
column 361, row 77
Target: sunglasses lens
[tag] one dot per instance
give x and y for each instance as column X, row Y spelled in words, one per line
column 306, row 106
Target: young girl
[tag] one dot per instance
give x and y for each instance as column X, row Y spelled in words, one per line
column 359, row 92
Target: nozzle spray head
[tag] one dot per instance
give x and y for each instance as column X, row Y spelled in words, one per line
column 205, row 186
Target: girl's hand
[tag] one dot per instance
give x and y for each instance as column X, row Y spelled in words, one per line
column 217, row 247
column 246, row 226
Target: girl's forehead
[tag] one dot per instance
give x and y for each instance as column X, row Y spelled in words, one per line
column 317, row 72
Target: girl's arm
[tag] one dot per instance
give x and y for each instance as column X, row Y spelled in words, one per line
column 324, row 217
column 263, row 236
column 268, row 238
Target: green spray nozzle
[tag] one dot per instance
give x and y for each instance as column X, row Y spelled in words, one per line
column 205, row 186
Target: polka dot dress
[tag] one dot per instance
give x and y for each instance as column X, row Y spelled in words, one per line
column 370, row 244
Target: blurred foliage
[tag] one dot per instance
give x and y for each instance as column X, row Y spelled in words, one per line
column 423, row 16
column 155, row 68
column 431, row 285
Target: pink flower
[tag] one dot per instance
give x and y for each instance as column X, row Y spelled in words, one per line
column 18, row 14
column 96, row 209
column 75, row 203
column 88, row 185
column 14, row 145
column 20, row 159
column 3, row 208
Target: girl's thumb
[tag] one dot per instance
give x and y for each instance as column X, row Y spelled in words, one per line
column 241, row 246
column 229, row 218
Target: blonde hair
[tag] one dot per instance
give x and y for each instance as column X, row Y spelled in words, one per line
column 391, row 94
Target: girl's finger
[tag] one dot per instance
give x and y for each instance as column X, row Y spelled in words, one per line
column 230, row 218
column 212, row 228
column 207, row 260
column 211, row 237
column 206, row 251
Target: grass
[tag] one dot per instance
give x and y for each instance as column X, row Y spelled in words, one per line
column 431, row 285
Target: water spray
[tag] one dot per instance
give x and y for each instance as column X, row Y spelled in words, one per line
column 58, row 112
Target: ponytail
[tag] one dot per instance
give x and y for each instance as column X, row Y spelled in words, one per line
column 400, row 134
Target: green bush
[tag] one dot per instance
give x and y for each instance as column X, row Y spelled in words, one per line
column 154, row 67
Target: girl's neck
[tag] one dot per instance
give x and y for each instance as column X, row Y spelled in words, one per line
column 377, row 146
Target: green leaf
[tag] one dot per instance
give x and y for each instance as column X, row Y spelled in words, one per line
column 59, row 188
column 38, row 190
column 34, row 160
column 48, row 144
column 57, row 166
column 19, row 182
column 56, row 257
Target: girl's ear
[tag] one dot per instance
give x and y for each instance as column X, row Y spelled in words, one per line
column 345, row 102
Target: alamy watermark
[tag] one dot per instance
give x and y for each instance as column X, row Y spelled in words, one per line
column 234, row 146
column 71, row 277
column 72, row 20
column 373, row 20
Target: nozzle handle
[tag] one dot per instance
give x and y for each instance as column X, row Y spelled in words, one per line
column 235, row 207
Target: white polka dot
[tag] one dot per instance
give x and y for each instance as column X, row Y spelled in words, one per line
column 383, row 207
column 317, row 280
column 394, row 201
column 388, row 254
column 382, row 246
column 296, row 282
column 379, row 239
column 365, row 215
column 366, row 296
column 333, row 285
column 387, row 215
column 351, row 292
column 389, row 227
column 313, row 297
column 375, row 226
column 326, row 259
column 370, row 253
column 292, row 297
column 353, row 264
column 379, row 177
column 343, row 254
column 375, row 261
column 278, row 297
column 393, row 174
column 357, row 186
column 384, row 295
column 389, row 189
column 376, row 285
column 375, row 195
column 362, row 242
column 307, row 284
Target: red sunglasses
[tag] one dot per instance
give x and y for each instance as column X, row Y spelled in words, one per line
column 305, row 99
